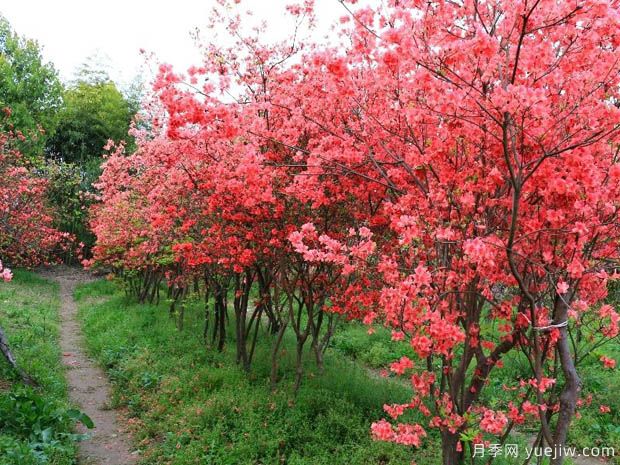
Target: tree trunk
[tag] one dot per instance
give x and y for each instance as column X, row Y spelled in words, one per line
column 299, row 364
column 243, row 286
column 275, row 350
column 449, row 454
column 205, row 332
column 572, row 387
column 10, row 358
column 266, row 303
column 222, row 314
column 181, row 318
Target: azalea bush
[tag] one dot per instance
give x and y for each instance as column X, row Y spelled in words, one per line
column 28, row 236
column 449, row 171
column 476, row 109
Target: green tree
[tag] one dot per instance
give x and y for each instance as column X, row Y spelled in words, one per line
column 29, row 87
column 94, row 112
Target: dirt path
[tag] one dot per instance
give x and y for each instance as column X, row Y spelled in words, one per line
column 88, row 385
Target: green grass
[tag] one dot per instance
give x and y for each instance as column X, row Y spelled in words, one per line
column 35, row 425
column 375, row 349
column 595, row 428
column 192, row 405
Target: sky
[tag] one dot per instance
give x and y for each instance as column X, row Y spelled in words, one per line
column 70, row 31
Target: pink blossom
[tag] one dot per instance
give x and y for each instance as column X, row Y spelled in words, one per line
column 562, row 287
column 401, row 365
column 543, row 385
column 395, row 410
column 607, row 362
column 409, row 435
column 493, row 422
column 382, row 430
column 5, row 274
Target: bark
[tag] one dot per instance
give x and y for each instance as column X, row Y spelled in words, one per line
column 177, row 294
column 321, row 342
column 181, row 318
column 572, row 386
column 242, row 328
column 299, row 364
column 221, row 317
column 275, row 350
column 449, row 454
column 205, row 332
column 257, row 316
column 265, row 279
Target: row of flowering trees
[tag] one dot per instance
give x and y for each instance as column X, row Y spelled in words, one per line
column 451, row 171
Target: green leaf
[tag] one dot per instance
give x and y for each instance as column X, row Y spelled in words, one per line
column 77, row 415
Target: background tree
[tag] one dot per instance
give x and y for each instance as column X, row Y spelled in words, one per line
column 94, row 112
column 69, row 194
column 30, row 87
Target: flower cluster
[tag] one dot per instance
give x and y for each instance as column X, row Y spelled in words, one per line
column 5, row 274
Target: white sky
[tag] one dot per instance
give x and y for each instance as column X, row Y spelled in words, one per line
column 72, row 30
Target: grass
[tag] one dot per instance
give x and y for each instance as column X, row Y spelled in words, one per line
column 595, row 428
column 189, row 404
column 374, row 349
column 192, row 405
column 35, row 425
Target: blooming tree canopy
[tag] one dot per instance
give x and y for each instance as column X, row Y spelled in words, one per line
column 494, row 128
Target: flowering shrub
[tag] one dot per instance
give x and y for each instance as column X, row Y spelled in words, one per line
column 27, row 234
column 470, row 112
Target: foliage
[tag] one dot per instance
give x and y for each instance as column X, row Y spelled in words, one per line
column 35, row 430
column 483, row 243
column 94, row 112
column 27, row 234
column 188, row 405
column 69, row 193
column 375, row 350
column 30, row 87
